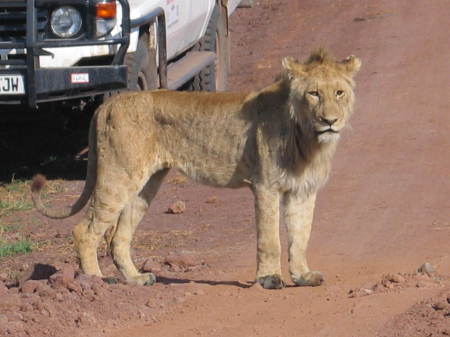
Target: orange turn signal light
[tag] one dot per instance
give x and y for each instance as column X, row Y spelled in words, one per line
column 105, row 10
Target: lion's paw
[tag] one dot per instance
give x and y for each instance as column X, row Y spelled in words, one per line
column 151, row 279
column 271, row 281
column 144, row 279
column 309, row 279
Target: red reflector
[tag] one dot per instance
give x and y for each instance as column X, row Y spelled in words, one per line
column 105, row 10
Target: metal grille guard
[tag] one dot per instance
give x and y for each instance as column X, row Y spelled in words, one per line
column 33, row 46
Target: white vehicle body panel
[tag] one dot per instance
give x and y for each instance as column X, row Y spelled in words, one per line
column 186, row 20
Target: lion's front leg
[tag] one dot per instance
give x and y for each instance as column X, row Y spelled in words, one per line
column 298, row 215
column 268, row 272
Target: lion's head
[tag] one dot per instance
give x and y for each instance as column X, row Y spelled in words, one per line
column 321, row 93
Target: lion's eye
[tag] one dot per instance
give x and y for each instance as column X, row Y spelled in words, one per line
column 339, row 93
column 314, row 93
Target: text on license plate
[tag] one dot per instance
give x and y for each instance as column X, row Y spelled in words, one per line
column 11, row 85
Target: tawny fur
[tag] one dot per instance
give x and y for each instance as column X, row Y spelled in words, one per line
column 278, row 141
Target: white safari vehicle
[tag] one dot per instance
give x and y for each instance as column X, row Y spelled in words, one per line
column 55, row 50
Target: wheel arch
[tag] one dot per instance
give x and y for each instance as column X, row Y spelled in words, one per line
column 144, row 23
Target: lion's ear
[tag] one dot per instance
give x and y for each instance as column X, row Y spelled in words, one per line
column 291, row 66
column 351, row 65
column 288, row 62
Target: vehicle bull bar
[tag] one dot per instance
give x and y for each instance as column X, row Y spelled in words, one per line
column 34, row 48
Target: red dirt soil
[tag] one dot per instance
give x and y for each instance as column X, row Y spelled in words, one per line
column 384, row 212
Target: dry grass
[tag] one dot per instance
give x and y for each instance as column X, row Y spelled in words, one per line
column 15, row 196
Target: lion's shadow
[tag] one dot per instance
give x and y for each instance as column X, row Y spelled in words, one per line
column 170, row 280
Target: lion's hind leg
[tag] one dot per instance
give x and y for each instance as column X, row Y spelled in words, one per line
column 106, row 206
column 87, row 236
column 130, row 217
column 86, row 246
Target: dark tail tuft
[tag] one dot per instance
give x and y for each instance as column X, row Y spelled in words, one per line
column 38, row 183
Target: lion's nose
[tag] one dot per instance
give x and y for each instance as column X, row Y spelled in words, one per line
column 329, row 121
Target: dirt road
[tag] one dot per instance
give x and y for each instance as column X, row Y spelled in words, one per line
column 386, row 208
column 384, row 212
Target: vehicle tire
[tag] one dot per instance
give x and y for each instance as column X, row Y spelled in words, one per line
column 213, row 77
column 142, row 68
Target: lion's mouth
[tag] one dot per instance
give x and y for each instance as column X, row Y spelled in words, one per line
column 329, row 130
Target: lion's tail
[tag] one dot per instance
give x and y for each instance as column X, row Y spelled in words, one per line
column 39, row 181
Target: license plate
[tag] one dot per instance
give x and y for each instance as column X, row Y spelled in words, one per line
column 11, row 85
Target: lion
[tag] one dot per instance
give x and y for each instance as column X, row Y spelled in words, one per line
column 278, row 142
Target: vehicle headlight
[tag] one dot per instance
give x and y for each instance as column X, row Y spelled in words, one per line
column 66, row 21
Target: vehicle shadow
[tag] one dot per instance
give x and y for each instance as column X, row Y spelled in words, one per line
column 47, row 142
